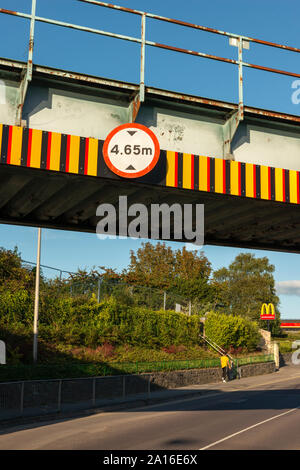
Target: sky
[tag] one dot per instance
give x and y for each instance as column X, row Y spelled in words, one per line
column 270, row 20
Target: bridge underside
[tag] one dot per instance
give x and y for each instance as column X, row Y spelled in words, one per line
column 248, row 180
column 63, row 201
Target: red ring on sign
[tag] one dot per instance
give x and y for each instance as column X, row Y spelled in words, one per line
column 140, row 173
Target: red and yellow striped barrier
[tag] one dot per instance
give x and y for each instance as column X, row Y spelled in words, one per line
column 34, row 148
column 231, row 177
column 49, row 150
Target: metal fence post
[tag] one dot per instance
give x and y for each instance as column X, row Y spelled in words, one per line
column 142, row 71
column 99, row 289
column 124, row 387
column 94, row 391
column 27, row 76
column 59, row 395
column 241, row 88
column 36, row 297
column 165, row 300
column 22, row 399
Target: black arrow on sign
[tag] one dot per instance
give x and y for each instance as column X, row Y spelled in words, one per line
column 130, row 168
column 131, row 133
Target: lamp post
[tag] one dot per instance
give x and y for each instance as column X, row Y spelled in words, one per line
column 36, row 297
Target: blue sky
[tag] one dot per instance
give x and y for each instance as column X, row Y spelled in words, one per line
column 271, row 20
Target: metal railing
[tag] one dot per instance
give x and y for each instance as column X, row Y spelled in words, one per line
column 21, row 398
column 32, row 265
column 238, row 40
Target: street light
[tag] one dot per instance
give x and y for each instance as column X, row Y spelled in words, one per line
column 36, row 296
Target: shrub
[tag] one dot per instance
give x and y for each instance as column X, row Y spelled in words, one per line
column 85, row 322
column 174, row 349
column 16, row 307
column 232, row 331
column 106, row 350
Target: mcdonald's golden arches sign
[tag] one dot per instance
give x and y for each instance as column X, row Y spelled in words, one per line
column 267, row 312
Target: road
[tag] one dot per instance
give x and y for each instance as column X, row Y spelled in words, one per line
column 257, row 413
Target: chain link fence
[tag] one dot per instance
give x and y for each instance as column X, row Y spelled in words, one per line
column 142, row 296
column 102, row 289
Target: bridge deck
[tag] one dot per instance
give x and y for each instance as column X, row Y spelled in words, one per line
column 53, row 174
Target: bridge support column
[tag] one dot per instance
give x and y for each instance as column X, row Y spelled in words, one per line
column 26, row 75
column 229, row 130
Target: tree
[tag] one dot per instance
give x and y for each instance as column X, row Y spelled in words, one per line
column 181, row 271
column 245, row 285
column 191, row 275
column 13, row 275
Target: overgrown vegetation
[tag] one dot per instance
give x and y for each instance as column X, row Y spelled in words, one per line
column 77, row 328
column 231, row 331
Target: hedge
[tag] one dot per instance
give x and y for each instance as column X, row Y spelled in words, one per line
column 231, row 330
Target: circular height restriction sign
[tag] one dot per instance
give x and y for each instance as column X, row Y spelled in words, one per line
column 131, row 150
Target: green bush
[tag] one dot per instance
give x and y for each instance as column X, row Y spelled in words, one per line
column 85, row 322
column 136, row 325
column 15, row 306
column 231, row 330
column 285, row 346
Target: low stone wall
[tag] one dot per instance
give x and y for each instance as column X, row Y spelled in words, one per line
column 41, row 397
column 285, row 359
column 250, row 370
column 183, row 378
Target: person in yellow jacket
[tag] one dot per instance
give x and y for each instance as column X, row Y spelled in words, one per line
column 225, row 364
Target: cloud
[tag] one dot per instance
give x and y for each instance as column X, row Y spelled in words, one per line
column 193, row 247
column 288, row 288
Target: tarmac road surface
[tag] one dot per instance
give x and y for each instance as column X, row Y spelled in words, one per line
column 256, row 413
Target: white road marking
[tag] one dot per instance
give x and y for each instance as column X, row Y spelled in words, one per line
column 247, row 429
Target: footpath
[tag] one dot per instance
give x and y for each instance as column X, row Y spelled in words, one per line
column 188, row 392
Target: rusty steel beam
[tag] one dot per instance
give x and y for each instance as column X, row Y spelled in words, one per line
column 81, row 77
column 191, row 25
column 142, row 40
column 272, row 114
column 15, row 13
column 269, row 69
column 151, row 92
column 114, row 7
column 190, row 52
column 220, row 32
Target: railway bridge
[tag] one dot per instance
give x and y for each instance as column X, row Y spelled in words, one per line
column 241, row 162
